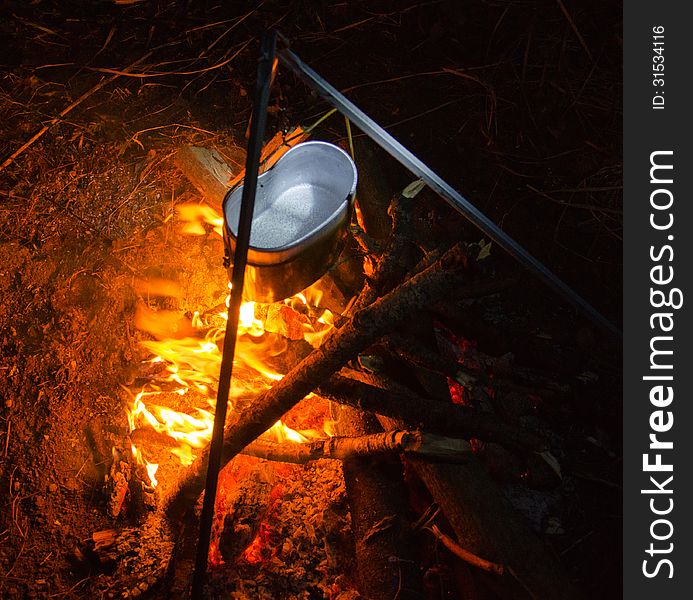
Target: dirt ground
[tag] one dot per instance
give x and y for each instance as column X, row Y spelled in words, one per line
column 516, row 103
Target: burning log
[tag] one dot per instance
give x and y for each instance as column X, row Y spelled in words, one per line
column 119, row 480
column 377, row 312
column 245, row 506
column 366, row 326
column 129, row 486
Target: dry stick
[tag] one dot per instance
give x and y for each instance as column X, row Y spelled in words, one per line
column 39, row 134
column 126, row 72
column 339, row 447
column 466, row 555
column 486, row 524
column 575, row 29
column 344, row 448
column 446, row 419
column 340, row 346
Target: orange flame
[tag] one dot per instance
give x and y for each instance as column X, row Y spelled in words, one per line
column 158, row 287
column 151, row 473
column 190, row 349
column 194, row 216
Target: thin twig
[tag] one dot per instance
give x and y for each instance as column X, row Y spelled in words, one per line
column 7, row 435
column 219, row 65
column 40, row 133
column 576, row 205
column 576, row 31
column 466, row 555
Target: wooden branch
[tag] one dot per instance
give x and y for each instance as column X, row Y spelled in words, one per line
column 416, row 353
column 340, row 346
column 345, row 448
column 419, row 354
column 395, row 262
column 207, row 171
column 486, row 525
column 392, row 265
column 446, row 419
column 378, row 503
column 375, row 187
column 531, row 381
column 466, row 555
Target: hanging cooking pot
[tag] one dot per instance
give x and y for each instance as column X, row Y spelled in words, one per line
column 302, row 210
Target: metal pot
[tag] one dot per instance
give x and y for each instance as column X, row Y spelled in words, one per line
column 302, row 210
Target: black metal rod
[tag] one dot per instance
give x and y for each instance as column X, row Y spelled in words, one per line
column 439, row 185
column 240, row 257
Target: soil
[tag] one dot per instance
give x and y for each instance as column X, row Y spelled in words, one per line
column 516, row 103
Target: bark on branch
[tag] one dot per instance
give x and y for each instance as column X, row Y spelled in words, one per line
column 446, row 419
column 486, row 525
column 343, row 448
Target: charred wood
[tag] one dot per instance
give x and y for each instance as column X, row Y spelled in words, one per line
column 137, row 557
column 431, row 415
column 392, row 265
column 375, row 186
column 385, row 556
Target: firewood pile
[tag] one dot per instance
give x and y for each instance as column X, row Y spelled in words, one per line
column 464, row 418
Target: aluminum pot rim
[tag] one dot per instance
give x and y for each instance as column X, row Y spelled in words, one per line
column 273, row 256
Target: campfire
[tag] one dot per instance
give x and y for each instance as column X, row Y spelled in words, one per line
column 317, row 422
column 418, row 422
column 158, row 473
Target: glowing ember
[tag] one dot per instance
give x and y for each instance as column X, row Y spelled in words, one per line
column 255, row 553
